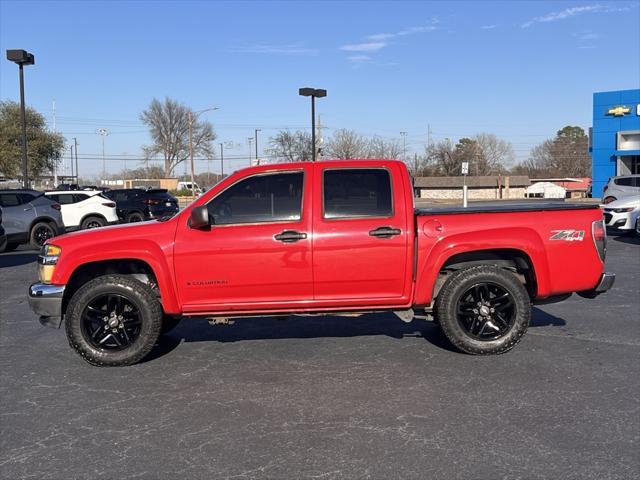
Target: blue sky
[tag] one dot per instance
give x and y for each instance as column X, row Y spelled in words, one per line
column 521, row 70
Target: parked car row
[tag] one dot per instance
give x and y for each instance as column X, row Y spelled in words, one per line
column 32, row 217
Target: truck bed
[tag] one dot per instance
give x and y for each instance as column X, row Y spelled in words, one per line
column 502, row 207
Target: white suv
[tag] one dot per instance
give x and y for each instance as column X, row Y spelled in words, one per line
column 619, row 187
column 83, row 209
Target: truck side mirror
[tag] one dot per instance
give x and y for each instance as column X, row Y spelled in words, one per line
column 199, row 218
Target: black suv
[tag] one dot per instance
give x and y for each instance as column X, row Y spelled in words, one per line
column 137, row 204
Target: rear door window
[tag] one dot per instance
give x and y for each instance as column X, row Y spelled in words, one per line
column 10, row 200
column 623, row 181
column 356, row 193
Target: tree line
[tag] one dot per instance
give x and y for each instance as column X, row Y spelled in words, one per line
column 169, row 123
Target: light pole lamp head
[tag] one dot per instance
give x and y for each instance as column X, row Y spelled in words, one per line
column 21, row 57
column 312, row 92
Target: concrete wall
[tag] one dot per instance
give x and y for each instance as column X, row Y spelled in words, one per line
column 474, row 193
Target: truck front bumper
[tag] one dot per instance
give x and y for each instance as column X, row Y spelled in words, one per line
column 46, row 301
column 606, row 282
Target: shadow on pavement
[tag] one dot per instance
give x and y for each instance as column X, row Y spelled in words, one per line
column 15, row 259
column 540, row 318
column 630, row 238
column 266, row 328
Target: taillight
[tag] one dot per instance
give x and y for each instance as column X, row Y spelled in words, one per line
column 109, row 204
column 56, row 206
column 599, row 233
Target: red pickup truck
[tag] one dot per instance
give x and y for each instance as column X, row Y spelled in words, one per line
column 339, row 237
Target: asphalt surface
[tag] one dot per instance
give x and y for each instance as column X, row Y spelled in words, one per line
column 329, row 398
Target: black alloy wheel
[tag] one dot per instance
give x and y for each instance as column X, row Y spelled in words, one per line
column 111, row 322
column 483, row 310
column 486, row 311
column 40, row 233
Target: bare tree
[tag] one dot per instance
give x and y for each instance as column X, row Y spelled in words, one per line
column 378, row 147
column 345, row 144
column 441, row 159
column 168, row 123
column 493, row 154
column 292, row 147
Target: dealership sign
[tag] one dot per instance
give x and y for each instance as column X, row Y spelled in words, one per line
column 619, row 111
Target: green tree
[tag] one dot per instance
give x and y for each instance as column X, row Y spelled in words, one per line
column 565, row 155
column 44, row 148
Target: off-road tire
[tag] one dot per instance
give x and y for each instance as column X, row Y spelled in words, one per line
column 145, row 300
column 460, row 282
column 34, row 239
column 135, row 217
column 92, row 222
column 168, row 324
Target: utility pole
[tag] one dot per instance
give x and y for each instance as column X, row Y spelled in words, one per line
column 71, row 156
column 319, row 135
column 193, row 187
column 75, row 143
column 404, row 146
column 221, row 160
column 55, row 166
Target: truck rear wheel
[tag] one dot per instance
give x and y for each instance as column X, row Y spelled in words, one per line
column 483, row 310
column 113, row 321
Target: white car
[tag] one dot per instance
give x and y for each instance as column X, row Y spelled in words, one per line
column 620, row 187
column 187, row 186
column 83, row 209
column 623, row 214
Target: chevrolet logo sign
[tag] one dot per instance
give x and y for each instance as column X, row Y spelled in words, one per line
column 618, row 111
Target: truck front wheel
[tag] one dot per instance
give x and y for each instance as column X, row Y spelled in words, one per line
column 113, row 321
column 483, row 310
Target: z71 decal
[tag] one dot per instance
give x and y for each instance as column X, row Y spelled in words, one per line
column 567, row 235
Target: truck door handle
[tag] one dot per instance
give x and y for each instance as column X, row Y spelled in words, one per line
column 385, row 232
column 290, row 236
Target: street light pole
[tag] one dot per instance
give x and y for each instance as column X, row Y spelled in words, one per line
column 221, row 161
column 103, row 132
column 313, row 93
column 250, row 140
column 256, row 138
column 23, row 120
column 191, row 119
column 22, row 58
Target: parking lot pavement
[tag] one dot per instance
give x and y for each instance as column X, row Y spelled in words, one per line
column 321, row 397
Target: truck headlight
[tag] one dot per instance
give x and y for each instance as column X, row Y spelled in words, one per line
column 47, row 260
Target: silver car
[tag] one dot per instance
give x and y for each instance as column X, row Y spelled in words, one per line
column 619, row 187
column 29, row 217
